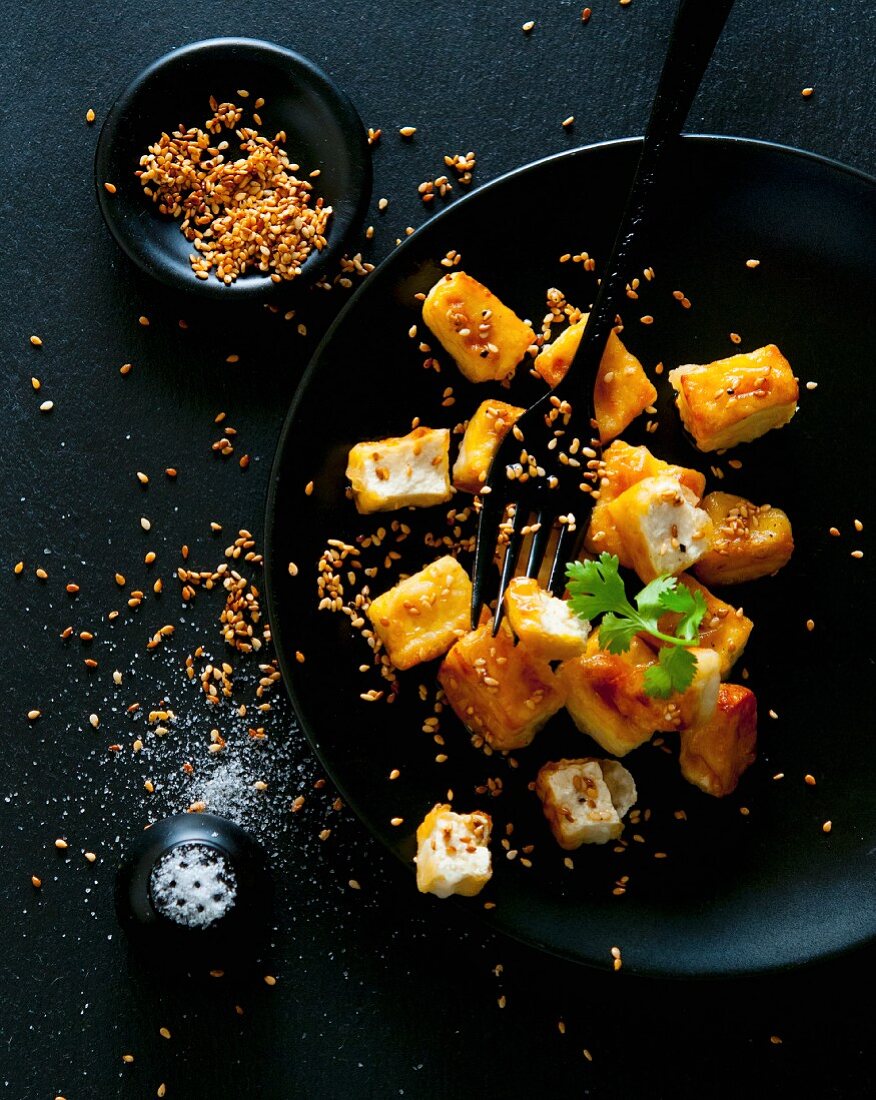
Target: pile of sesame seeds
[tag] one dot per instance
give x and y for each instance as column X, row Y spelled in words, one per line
column 243, row 214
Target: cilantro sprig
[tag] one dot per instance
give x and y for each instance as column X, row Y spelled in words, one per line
column 597, row 588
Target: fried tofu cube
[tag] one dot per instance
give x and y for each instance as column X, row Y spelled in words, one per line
column 622, row 467
column 421, row 617
column 749, row 540
column 724, row 628
column 605, row 695
column 660, row 527
column 585, row 800
column 486, row 339
column 453, row 855
column 622, row 389
column 502, row 692
column 485, row 431
column 735, row 400
column 546, row 625
column 411, row 471
column 715, row 754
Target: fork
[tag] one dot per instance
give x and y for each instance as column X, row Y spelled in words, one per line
column 543, row 475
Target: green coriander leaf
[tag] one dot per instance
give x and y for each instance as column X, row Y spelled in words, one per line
column 650, row 600
column 691, row 606
column 596, row 587
column 616, row 634
column 674, row 672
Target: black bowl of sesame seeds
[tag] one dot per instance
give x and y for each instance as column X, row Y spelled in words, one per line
column 233, row 168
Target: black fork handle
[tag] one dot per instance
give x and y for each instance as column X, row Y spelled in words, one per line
column 695, row 33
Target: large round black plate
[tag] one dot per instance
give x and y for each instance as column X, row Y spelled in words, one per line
column 751, row 882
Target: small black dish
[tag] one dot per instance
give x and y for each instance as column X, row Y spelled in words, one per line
column 323, row 131
column 195, row 885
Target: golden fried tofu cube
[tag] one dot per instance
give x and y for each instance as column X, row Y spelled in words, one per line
column 499, row 690
column 453, row 855
column 622, row 467
column 486, row 339
column 735, row 400
column 605, row 695
column 749, row 540
column 715, row 754
column 660, row 527
column 585, row 800
column 622, row 389
column 546, row 625
column 724, row 628
column 412, row 470
column 485, row 431
column 425, row 614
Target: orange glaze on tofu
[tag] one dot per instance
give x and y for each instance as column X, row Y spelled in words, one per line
column 498, row 689
column 622, row 389
column 749, row 540
column 735, row 400
column 485, row 431
column 486, row 339
column 715, row 754
column 724, row 629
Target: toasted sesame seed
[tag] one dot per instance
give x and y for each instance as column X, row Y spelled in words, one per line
column 568, row 122
column 61, row 844
column 36, row 341
column 18, row 567
column 32, row 715
column 752, row 263
column 585, row 1051
column 810, row 624
column 382, row 204
column 126, row 368
column 41, row 573
column 143, row 320
column 834, row 531
column 94, row 720
column 857, row 553
column 47, row 406
column 585, row 18
column 772, row 714
column 164, row 1032
column 145, row 523
column 408, row 131
column 858, row 525
column 811, row 385
column 827, row 826
column 809, row 780
column 90, row 856
column 354, row 885
column 90, row 115
column 127, row 1059
column 110, row 187
column 36, row 882
column 35, row 382
column 806, row 92
column 527, row 26
column 775, row 1040
column 396, row 821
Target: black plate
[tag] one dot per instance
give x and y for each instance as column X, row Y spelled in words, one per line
column 738, row 892
column 323, row 132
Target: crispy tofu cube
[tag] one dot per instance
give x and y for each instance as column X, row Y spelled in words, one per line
column 425, row 614
column 502, row 692
column 486, row 339
column 749, row 541
column 585, row 800
column 622, row 467
column 485, row 431
column 735, row 400
column 410, row 471
column 622, row 389
column 724, row 628
column 605, row 695
column 660, row 527
column 715, row 754
column 453, row 855
column 546, row 625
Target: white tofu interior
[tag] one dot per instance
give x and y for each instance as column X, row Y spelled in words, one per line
column 674, row 530
column 583, row 798
column 558, row 620
column 416, row 469
column 621, row 786
column 452, row 854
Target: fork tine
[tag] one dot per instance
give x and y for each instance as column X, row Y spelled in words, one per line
column 492, row 510
column 563, row 548
column 513, row 549
column 539, row 543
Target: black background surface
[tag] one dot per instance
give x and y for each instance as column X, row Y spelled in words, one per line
column 379, row 992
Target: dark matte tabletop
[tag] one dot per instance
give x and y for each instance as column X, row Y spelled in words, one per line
column 379, row 992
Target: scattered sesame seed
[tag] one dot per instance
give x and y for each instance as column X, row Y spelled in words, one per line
column 127, row 1059
column 810, row 625
column 90, row 856
column 144, row 321
column 90, row 115
column 772, row 714
column 858, row 525
column 857, row 553
column 809, row 780
column 382, row 204
column 36, row 882
column 752, row 263
column 164, row 1032
column 527, row 26
column 354, row 885
column 61, row 844
column 94, row 720
column 408, row 131
column 125, row 368
column 585, row 18
column 806, row 92
column 47, row 406
column 827, row 826
column 110, row 187
column 585, row 1051
column 145, row 523
column 501, row 1001
column 775, row 1040
column 35, row 382
column 396, row 820
column 834, row 531
column 32, row 715
column 811, row 385
column 568, row 122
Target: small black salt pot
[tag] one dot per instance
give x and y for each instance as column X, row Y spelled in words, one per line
column 195, row 886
